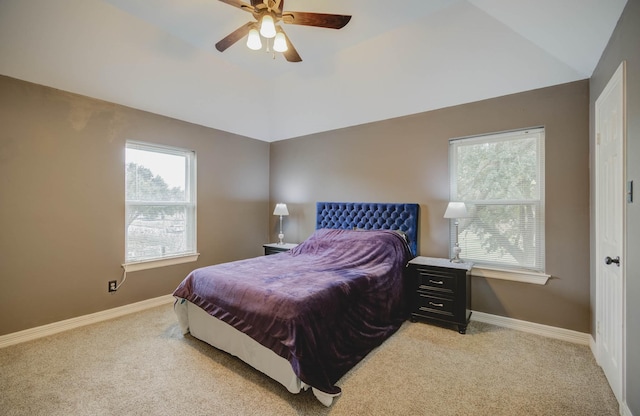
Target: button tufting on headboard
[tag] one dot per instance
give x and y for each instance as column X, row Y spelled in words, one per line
column 370, row 216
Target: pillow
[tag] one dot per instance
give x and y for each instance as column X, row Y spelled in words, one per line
column 399, row 232
column 403, row 235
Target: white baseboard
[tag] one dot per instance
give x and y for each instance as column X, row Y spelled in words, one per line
column 539, row 329
column 594, row 349
column 57, row 327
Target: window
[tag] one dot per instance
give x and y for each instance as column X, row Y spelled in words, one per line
column 160, row 203
column 501, row 179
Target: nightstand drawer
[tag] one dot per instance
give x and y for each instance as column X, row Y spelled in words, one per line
column 433, row 304
column 275, row 248
column 436, row 280
column 271, row 250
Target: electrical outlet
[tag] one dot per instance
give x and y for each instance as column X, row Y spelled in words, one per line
column 112, row 285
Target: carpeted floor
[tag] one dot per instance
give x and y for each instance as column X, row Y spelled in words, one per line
column 141, row 364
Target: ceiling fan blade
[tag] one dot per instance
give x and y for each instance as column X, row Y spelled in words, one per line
column 234, row 36
column 331, row 21
column 240, row 4
column 291, row 54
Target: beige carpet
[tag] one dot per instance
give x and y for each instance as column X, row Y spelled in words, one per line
column 142, row 365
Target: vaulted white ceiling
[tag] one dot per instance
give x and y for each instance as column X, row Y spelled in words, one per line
column 394, row 58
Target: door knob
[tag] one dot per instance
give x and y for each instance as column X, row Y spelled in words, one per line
column 609, row 260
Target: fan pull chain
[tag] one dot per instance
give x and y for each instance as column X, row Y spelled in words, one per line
column 270, row 50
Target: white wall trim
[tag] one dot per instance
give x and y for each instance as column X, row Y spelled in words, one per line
column 163, row 262
column 594, row 349
column 513, row 275
column 57, row 327
column 61, row 326
column 624, row 410
column 534, row 328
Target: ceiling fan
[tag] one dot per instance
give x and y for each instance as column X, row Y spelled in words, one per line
column 268, row 13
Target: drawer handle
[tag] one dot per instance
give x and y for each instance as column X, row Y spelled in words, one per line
column 437, row 282
column 439, row 305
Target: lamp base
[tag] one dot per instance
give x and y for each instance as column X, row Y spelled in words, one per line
column 281, row 238
column 456, row 254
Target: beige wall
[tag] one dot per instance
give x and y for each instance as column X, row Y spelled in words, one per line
column 62, row 202
column 623, row 45
column 62, row 187
column 406, row 160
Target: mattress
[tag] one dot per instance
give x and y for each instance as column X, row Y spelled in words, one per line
column 201, row 325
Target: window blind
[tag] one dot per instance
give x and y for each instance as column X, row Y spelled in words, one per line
column 500, row 177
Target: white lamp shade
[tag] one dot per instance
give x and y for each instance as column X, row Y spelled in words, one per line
column 281, row 209
column 456, row 210
column 280, row 43
column 253, row 40
column 268, row 27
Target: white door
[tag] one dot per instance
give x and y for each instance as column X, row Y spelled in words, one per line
column 609, row 222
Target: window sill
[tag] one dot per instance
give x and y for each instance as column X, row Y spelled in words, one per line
column 513, row 275
column 152, row 264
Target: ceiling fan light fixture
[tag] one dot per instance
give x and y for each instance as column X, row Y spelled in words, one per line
column 268, row 27
column 268, row 13
column 280, row 43
column 253, row 40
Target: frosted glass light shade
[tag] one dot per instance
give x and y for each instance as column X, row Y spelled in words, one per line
column 253, row 40
column 456, row 210
column 268, row 27
column 281, row 209
column 280, row 43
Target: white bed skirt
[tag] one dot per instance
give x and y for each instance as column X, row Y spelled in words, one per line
column 223, row 336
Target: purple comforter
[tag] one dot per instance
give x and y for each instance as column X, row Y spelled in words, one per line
column 323, row 306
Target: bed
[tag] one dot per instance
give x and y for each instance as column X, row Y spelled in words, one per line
column 307, row 316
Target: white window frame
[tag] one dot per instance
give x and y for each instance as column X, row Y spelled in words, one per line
column 503, row 271
column 131, row 265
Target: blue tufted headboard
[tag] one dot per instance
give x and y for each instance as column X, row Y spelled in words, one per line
column 371, row 216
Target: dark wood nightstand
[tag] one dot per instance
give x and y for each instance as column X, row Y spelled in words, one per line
column 440, row 290
column 274, row 248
